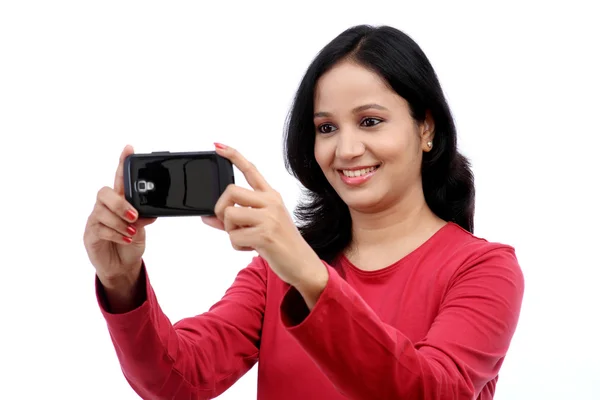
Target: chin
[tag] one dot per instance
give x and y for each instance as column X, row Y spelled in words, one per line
column 362, row 202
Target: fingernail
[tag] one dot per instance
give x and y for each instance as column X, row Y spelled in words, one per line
column 127, row 239
column 130, row 215
column 131, row 230
column 220, row 146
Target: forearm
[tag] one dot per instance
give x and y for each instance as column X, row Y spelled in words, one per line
column 140, row 332
column 178, row 361
column 125, row 293
column 364, row 357
column 461, row 352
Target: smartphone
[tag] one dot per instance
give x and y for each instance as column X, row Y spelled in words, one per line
column 165, row 184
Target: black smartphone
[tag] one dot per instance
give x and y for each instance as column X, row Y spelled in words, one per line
column 165, row 184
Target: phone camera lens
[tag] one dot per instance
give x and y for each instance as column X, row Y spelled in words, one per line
column 143, row 186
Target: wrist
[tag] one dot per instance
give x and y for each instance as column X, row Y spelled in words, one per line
column 313, row 282
column 119, row 282
column 124, row 292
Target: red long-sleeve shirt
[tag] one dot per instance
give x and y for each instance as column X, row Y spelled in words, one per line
column 435, row 325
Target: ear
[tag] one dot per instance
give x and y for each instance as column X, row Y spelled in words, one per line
column 427, row 132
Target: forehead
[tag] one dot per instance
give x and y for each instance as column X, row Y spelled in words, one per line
column 348, row 85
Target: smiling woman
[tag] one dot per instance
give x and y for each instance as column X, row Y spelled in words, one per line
column 382, row 292
column 373, row 99
column 379, row 143
column 352, row 176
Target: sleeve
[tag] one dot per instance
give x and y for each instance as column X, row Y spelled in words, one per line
column 198, row 357
column 463, row 350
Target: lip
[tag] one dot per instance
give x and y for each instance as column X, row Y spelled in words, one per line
column 359, row 167
column 357, row 180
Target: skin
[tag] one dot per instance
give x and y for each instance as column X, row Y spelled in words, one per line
column 114, row 236
column 115, row 240
column 359, row 121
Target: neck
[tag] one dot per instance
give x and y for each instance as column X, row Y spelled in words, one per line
column 410, row 217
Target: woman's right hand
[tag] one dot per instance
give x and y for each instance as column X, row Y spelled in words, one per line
column 114, row 237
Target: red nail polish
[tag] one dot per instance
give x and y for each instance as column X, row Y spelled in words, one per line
column 220, row 146
column 130, row 215
column 127, row 239
column 131, row 230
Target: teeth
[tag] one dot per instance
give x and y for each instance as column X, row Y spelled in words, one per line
column 358, row 172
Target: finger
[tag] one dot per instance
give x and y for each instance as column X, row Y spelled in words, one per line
column 103, row 216
column 145, row 221
column 241, row 217
column 213, row 222
column 216, row 223
column 119, row 185
column 244, row 239
column 253, row 177
column 142, row 222
column 239, row 248
column 117, row 204
column 229, row 226
column 238, row 195
column 106, row 233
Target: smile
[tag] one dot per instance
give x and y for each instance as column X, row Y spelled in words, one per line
column 357, row 176
column 358, row 172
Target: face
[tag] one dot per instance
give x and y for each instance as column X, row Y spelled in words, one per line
column 367, row 144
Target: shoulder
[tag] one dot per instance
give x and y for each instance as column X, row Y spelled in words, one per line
column 472, row 254
column 463, row 243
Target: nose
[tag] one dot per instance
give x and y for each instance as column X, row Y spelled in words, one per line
column 349, row 146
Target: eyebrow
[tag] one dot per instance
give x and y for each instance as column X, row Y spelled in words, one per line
column 355, row 110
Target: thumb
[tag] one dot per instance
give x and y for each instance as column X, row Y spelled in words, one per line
column 213, row 222
column 119, row 185
column 143, row 222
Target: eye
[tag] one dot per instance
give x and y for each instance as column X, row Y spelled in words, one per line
column 369, row 122
column 326, row 128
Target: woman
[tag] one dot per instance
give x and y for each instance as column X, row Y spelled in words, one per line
column 382, row 292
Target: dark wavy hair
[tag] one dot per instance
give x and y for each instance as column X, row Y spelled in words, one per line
column 448, row 185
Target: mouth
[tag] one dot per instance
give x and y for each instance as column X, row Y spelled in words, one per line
column 357, row 176
column 358, row 172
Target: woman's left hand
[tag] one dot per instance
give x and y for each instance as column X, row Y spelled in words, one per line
column 258, row 220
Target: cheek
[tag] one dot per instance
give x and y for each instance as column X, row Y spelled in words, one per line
column 399, row 148
column 324, row 153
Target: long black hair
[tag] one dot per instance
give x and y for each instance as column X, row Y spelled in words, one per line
column 324, row 219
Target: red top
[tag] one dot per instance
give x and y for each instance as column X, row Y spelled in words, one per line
column 435, row 325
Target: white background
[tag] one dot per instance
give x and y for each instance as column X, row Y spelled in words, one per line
column 80, row 79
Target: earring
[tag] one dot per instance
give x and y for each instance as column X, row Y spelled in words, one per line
column 429, row 144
